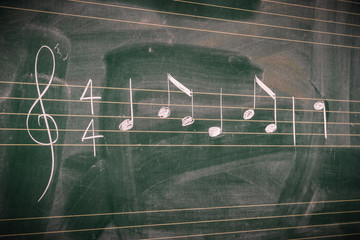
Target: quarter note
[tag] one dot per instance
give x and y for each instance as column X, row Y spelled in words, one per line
column 248, row 114
column 216, row 131
column 128, row 124
column 320, row 105
column 164, row 112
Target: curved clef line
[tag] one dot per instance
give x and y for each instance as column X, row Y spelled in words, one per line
column 44, row 115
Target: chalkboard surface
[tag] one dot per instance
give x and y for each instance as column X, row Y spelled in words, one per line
column 177, row 119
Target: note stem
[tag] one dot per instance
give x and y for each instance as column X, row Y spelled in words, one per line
column 192, row 103
column 254, row 92
column 168, row 82
column 325, row 131
column 131, row 103
column 293, row 116
column 221, row 113
column 275, row 111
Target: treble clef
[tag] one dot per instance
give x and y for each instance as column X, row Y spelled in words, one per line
column 44, row 115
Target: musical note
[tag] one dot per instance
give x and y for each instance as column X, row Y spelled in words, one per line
column 248, row 114
column 44, row 115
column 128, row 124
column 216, row 131
column 293, row 117
column 164, row 112
column 320, row 105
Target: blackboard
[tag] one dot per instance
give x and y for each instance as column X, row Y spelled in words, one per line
column 177, row 119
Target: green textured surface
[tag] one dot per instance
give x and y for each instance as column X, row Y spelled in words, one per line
column 161, row 180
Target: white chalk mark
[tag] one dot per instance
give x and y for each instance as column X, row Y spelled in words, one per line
column 320, row 105
column 179, row 85
column 188, row 120
column 93, row 137
column 45, row 116
column 293, row 118
column 216, row 131
column 128, row 124
column 164, row 112
column 89, row 84
column 248, row 114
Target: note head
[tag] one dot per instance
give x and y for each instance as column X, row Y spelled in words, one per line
column 248, row 114
column 125, row 125
column 186, row 121
column 164, row 112
column 270, row 128
column 214, row 131
column 319, row 105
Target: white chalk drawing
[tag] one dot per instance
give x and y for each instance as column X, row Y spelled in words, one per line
column 59, row 52
column 293, row 118
column 164, row 112
column 248, row 114
column 128, row 124
column 93, row 137
column 216, row 131
column 44, row 116
column 91, row 98
column 320, row 105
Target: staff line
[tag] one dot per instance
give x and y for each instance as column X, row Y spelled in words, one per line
column 254, row 230
column 311, row 7
column 182, row 28
column 327, row 236
column 268, row 13
column 174, row 105
column 188, row 209
column 175, row 91
column 183, row 132
column 184, row 223
column 197, row 119
column 216, row 19
column 179, row 145
column 347, row 1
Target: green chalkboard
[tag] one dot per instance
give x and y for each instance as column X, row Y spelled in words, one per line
column 179, row 119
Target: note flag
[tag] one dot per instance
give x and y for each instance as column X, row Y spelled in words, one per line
column 248, row 114
column 216, row 131
column 128, row 124
column 164, row 112
column 320, row 105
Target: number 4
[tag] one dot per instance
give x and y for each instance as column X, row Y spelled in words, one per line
column 91, row 95
column 91, row 124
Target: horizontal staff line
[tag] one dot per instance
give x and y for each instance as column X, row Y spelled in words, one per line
column 182, row 132
column 189, row 209
column 311, row 7
column 216, row 19
column 327, row 236
column 174, row 91
column 162, row 119
column 347, row 1
column 183, row 28
column 254, row 230
column 268, row 13
column 182, row 223
column 178, row 145
column 174, row 105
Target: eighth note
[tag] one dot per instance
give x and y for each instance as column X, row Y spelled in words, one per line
column 248, row 114
column 320, row 105
column 216, row 131
column 128, row 124
column 164, row 112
